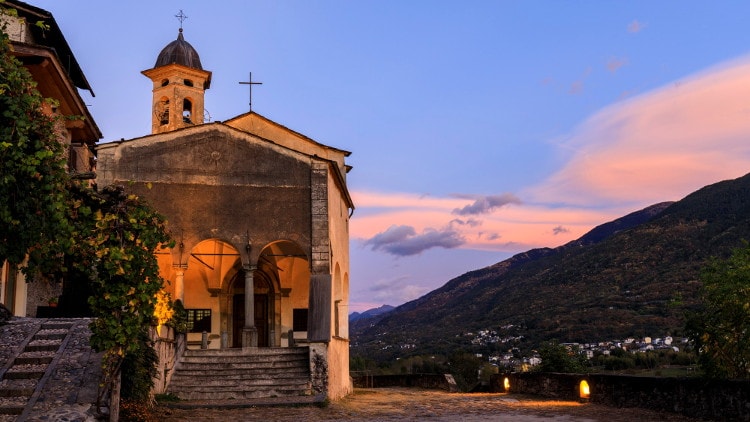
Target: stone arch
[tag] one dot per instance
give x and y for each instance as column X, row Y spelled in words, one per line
column 233, row 318
column 288, row 266
column 215, row 262
column 284, row 261
column 209, row 266
column 187, row 110
column 161, row 110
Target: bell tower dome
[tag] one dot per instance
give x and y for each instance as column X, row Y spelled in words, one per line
column 180, row 84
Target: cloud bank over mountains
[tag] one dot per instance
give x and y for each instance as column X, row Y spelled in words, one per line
column 657, row 146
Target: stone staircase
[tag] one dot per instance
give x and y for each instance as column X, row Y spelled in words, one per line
column 25, row 373
column 47, row 370
column 236, row 375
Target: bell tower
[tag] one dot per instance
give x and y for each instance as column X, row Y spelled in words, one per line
column 180, row 84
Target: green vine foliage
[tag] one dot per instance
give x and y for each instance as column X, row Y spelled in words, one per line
column 116, row 238
column 33, row 172
column 61, row 226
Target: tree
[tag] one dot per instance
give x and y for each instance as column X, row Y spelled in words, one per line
column 116, row 237
column 108, row 238
column 720, row 329
column 558, row 358
column 32, row 166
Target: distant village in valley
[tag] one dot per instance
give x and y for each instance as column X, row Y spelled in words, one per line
column 512, row 358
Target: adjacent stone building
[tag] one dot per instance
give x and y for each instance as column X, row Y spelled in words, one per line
column 259, row 213
column 49, row 59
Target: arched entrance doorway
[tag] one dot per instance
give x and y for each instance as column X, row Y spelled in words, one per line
column 264, row 308
column 204, row 273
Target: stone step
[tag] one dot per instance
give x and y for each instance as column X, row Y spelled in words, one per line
column 216, row 384
column 241, row 366
column 23, row 375
column 246, row 378
column 16, row 392
column 55, row 335
column 43, row 345
column 248, row 358
column 57, row 325
column 260, row 351
column 228, row 374
column 243, row 394
column 33, row 360
column 260, row 373
column 11, row 410
column 17, row 387
column 25, row 371
column 12, row 405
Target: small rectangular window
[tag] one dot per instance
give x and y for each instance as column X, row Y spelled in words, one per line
column 198, row 320
column 299, row 319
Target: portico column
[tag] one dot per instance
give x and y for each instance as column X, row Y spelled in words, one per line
column 249, row 333
column 179, row 285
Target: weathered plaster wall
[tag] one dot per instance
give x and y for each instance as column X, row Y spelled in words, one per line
column 217, row 183
column 339, row 382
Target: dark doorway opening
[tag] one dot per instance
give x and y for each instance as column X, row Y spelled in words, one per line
column 261, row 319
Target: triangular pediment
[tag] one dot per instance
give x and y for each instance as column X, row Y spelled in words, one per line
column 266, row 128
column 207, row 154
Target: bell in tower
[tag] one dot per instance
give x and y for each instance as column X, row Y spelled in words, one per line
column 180, row 84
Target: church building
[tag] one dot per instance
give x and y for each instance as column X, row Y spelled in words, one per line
column 259, row 214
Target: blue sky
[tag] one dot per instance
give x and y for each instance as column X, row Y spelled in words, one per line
column 478, row 129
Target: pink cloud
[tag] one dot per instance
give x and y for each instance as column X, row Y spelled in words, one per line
column 508, row 229
column 635, row 27
column 615, row 63
column 650, row 148
column 660, row 145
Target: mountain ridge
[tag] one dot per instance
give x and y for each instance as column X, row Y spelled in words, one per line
column 630, row 276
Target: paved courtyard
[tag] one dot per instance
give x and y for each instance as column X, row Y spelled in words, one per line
column 399, row 404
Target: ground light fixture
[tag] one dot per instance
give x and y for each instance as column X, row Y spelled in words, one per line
column 506, row 384
column 584, row 391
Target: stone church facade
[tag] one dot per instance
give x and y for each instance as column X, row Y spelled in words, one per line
column 259, row 214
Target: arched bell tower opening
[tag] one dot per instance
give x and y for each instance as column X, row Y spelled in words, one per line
column 179, row 86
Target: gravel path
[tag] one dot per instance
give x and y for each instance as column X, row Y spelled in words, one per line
column 400, row 404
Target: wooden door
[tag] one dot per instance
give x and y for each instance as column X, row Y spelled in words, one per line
column 261, row 319
column 238, row 319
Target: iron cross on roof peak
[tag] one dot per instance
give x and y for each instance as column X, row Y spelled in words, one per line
column 250, row 84
column 181, row 17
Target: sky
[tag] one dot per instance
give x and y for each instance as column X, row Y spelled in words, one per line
column 478, row 129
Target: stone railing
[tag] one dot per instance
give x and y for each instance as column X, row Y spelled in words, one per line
column 432, row 381
column 695, row 397
column 169, row 348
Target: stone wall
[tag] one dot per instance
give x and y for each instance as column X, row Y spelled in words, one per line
column 169, row 348
column 430, row 381
column 695, row 397
column 339, row 381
